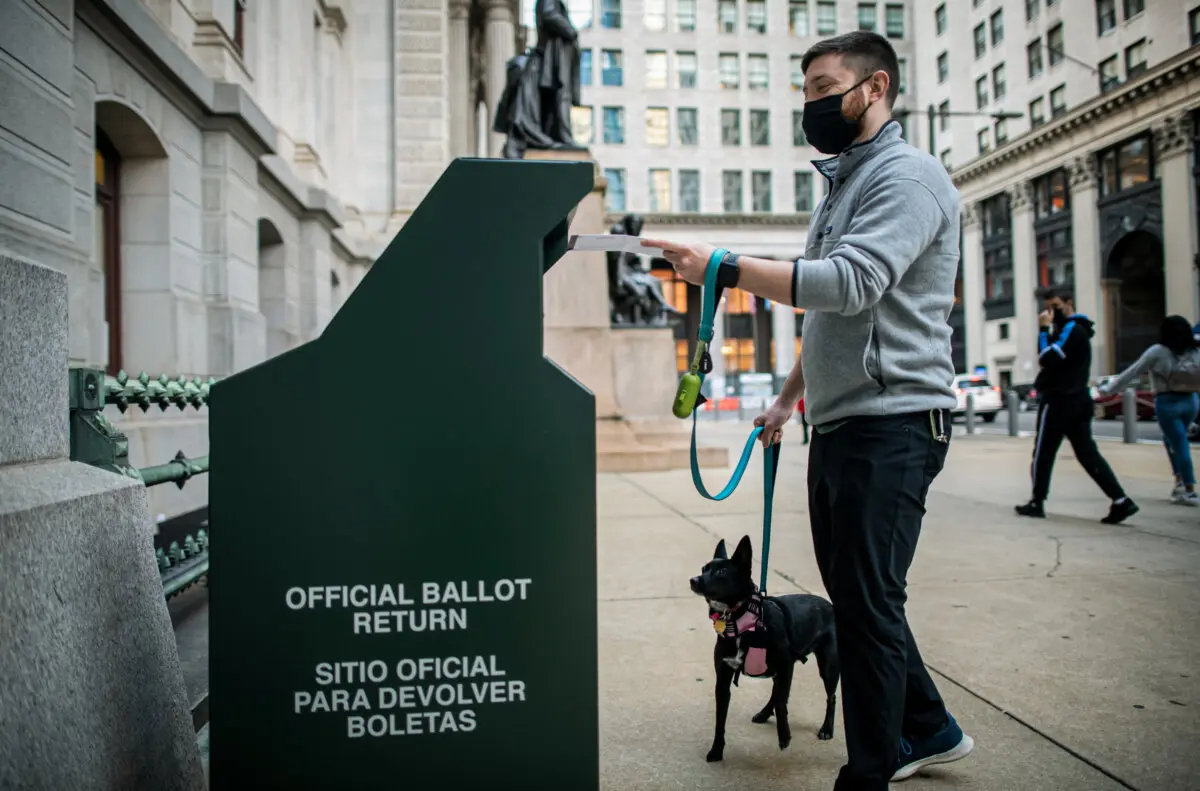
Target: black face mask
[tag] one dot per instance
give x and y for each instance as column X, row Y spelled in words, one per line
column 1060, row 317
column 827, row 129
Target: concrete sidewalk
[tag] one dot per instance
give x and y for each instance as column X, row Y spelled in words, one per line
column 1065, row 647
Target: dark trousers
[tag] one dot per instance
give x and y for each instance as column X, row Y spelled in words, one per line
column 1069, row 418
column 867, row 482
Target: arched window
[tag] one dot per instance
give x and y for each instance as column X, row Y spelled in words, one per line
column 107, row 249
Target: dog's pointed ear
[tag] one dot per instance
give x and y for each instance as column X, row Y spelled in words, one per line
column 720, row 553
column 744, row 553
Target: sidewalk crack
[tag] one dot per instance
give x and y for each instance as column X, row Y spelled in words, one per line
column 1058, row 547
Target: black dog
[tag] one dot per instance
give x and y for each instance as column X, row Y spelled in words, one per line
column 752, row 628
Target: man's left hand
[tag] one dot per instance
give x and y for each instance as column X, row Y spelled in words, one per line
column 690, row 261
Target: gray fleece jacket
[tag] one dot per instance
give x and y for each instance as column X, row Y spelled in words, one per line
column 877, row 284
column 1159, row 361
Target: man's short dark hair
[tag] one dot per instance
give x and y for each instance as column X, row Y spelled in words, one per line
column 863, row 52
column 1057, row 291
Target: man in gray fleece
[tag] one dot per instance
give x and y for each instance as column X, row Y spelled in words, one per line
column 877, row 285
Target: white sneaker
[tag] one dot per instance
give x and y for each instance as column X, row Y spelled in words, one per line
column 1186, row 498
column 1178, row 491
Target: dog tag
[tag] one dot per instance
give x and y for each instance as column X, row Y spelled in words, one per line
column 719, row 626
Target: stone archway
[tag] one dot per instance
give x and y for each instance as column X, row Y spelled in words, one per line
column 1136, row 282
column 133, row 238
column 278, row 294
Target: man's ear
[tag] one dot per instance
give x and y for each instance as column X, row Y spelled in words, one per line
column 743, row 555
column 720, row 553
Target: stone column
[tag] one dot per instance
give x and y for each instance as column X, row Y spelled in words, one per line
column 1084, row 180
column 500, row 43
column 974, row 290
column 1024, row 262
column 459, row 70
column 1172, row 144
column 783, row 331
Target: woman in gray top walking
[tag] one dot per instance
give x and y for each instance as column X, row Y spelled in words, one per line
column 1174, row 366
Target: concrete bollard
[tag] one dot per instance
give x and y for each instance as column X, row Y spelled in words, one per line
column 1014, row 410
column 1129, row 410
column 741, row 408
column 970, row 416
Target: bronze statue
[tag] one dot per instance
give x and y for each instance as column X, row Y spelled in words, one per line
column 541, row 87
column 635, row 296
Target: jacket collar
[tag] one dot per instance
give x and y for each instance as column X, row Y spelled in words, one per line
column 849, row 160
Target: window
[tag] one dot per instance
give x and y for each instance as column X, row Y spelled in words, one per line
column 997, row 257
column 685, row 69
column 760, row 190
column 660, row 189
column 1058, row 101
column 1106, row 16
column 585, row 67
column 756, row 16
column 1055, row 256
column 1050, row 196
column 107, row 244
column 1033, row 54
column 239, row 26
column 944, row 116
column 686, row 122
column 998, row 28
column 614, row 125
column 980, row 34
column 685, row 15
column 760, row 128
column 583, row 125
column 1000, row 131
column 654, row 14
column 999, row 83
column 729, row 70
column 1054, row 44
column 983, row 137
column 939, row 19
column 894, row 20
column 902, row 75
column 1194, row 25
column 731, row 191
column 797, row 72
column 656, row 69
column 804, row 191
column 610, row 14
column 1110, row 74
column 943, row 63
column 1135, row 59
column 826, row 18
column 757, row 72
column 1037, row 112
column 731, row 127
column 689, row 190
column 981, row 93
column 798, row 17
column 1134, row 7
column 611, row 68
column 1127, row 165
column 1032, row 9
column 727, row 16
column 614, row 196
column 580, row 12
column 798, row 136
column 658, row 126
column 868, row 16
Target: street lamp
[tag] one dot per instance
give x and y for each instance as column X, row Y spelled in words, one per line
column 934, row 113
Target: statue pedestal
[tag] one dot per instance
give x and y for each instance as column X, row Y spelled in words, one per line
column 630, row 371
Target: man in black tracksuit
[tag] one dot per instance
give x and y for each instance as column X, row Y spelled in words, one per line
column 1066, row 409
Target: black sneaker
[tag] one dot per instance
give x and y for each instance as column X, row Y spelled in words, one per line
column 1121, row 511
column 1032, row 508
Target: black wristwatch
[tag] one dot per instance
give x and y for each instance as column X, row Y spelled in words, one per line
column 728, row 272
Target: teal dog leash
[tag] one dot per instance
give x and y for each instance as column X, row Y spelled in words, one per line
column 688, row 399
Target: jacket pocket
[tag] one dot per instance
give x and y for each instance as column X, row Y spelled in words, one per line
column 873, row 355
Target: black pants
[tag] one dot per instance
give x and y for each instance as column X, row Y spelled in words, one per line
column 867, row 482
column 1069, row 417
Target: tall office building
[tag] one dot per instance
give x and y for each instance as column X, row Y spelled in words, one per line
column 1090, row 182
column 692, row 109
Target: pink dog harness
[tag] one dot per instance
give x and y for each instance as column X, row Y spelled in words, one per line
column 749, row 623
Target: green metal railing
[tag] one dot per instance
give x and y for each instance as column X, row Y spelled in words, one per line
column 99, row 443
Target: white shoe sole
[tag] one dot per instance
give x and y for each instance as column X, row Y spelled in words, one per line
column 960, row 751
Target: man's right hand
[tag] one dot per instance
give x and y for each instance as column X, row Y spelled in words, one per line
column 772, row 422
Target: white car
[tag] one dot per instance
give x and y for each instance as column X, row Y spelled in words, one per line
column 988, row 398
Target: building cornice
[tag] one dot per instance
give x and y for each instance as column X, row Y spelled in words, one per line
column 798, row 220
column 302, row 200
column 1136, row 92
